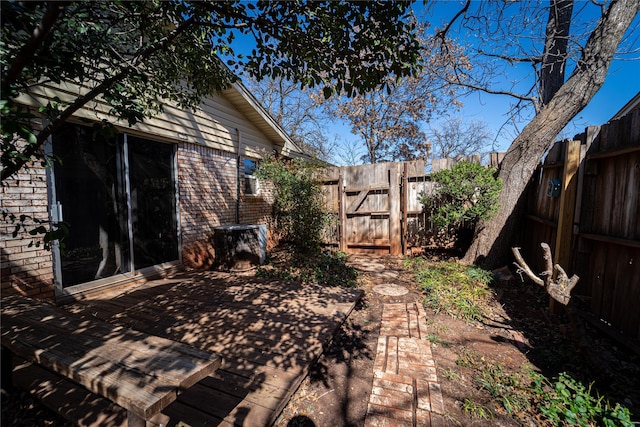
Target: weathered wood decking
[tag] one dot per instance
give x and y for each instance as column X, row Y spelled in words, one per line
column 267, row 332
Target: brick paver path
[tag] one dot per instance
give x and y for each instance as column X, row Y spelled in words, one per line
column 405, row 386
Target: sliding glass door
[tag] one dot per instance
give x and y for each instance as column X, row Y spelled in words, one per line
column 117, row 195
column 153, row 205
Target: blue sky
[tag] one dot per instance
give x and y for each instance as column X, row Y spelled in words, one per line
column 622, row 83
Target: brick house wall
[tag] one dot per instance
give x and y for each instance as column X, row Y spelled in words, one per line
column 25, row 269
column 207, row 142
column 207, row 191
column 258, row 209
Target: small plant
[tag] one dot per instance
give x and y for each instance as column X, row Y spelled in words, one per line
column 450, row 374
column 332, row 269
column 458, row 290
column 567, row 401
column 451, row 420
column 476, row 410
column 564, row 401
column 299, row 209
column 468, row 358
column 435, row 327
column 437, row 340
column 508, row 389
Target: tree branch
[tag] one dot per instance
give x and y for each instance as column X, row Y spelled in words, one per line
column 28, row 51
column 511, row 59
column 524, row 267
column 558, row 289
column 495, row 92
column 31, row 149
column 442, row 34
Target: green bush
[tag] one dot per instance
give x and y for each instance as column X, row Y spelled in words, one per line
column 563, row 401
column 299, row 208
column 464, row 195
column 566, row 401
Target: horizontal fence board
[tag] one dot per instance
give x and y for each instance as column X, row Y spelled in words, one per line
column 377, row 207
column 605, row 249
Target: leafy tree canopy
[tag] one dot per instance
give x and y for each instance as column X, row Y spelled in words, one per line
column 389, row 122
column 138, row 55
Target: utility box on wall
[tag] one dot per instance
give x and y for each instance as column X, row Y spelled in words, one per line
column 553, row 188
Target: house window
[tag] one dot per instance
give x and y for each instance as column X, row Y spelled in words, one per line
column 251, row 183
column 117, row 194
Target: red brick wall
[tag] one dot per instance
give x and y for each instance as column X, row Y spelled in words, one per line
column 207, row 191
column 259, row 210
column 207, row 188
column 27, row 270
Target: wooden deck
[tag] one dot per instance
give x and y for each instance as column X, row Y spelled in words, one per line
column 267, row 332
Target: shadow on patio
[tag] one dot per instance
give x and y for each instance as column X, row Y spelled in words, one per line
column 268, row 333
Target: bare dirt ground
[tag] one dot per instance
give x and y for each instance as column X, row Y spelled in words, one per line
column 336, row 392
column 518, row 332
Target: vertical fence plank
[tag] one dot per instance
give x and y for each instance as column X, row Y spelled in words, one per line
column 495, row 159
column 564, row 232
column 394, row 209
column 567, row 204
column 342, row 215
column 405, row 206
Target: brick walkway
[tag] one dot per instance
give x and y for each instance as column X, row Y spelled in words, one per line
column 405, row 386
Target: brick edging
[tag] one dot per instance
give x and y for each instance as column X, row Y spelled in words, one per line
column 405, row 390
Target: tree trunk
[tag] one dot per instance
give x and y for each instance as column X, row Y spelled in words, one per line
column 491, row 245
column 555, row 49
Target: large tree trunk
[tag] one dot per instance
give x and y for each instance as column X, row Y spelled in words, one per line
column 491, row 245
column 555, row 49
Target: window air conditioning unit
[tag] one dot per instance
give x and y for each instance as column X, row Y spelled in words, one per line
column 251, row 186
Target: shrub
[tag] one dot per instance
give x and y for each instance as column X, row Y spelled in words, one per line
column 561, row 401
column 464, row 195
column 460, row 291
column 566, row 401
column 299, row 208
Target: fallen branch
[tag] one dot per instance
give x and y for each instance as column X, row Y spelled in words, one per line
column 558, row 289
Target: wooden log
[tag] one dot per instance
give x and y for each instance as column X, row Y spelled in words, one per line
column 558, row 287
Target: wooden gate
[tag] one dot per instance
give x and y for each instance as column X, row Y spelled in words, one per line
column 370, row 205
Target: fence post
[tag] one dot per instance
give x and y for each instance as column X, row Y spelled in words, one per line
column 394, row 210
column 495, row 159
column 342, row 216
column 564, row 234
column 405, row 205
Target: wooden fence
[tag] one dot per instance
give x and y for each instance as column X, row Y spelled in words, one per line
column 584, row 201
column 377, row 207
